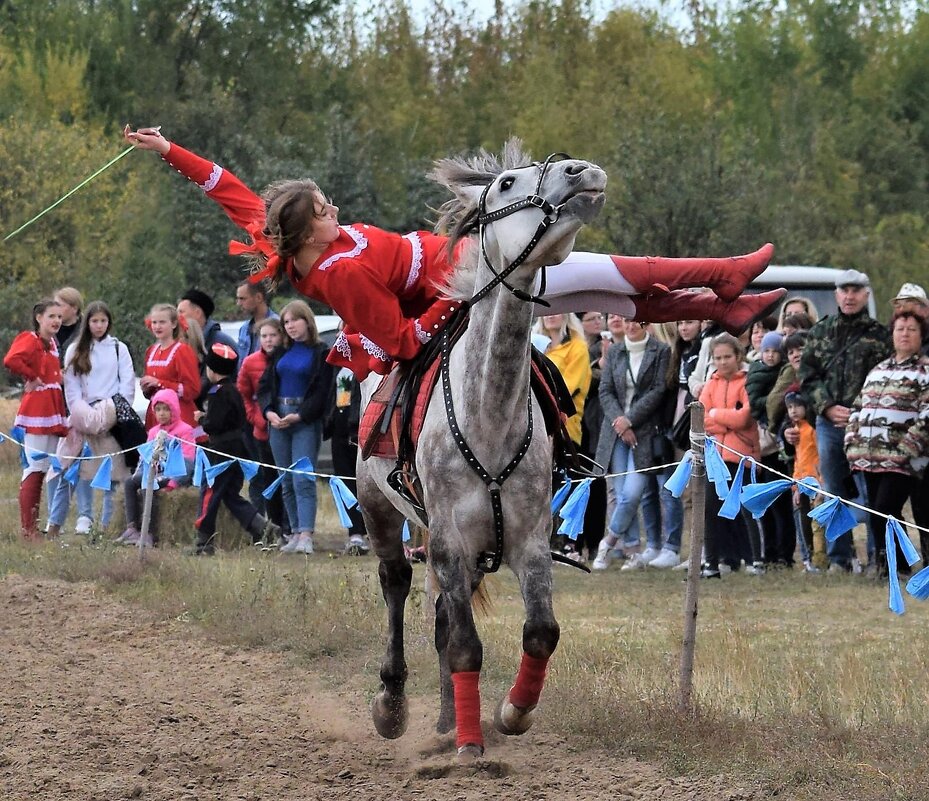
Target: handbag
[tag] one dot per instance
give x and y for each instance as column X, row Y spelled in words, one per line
column 767, row 441
column 129, row 430
column 680, row 431
column 662, row 448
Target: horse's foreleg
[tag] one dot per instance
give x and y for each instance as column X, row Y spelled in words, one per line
column 540, row 638
column 389, row 709
column 463, row 651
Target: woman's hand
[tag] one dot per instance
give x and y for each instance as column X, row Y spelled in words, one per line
column 292, row 419
column 147, row 139
column 32, row 385
column 628, row 436
column 275, row 420
column 620, row 424
column 198, row 416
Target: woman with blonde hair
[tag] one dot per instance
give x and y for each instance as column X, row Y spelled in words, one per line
column 567, row 349
column 293, row 395
column 170, row 363
column 796, row 305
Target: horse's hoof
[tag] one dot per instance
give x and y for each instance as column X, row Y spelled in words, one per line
column 390, row 716
column 445, row 724
column 470, row 752
column 511, row 720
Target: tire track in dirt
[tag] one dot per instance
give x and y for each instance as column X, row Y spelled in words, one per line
column 100, row 701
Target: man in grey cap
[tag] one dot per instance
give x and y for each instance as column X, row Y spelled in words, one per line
column 840, row 350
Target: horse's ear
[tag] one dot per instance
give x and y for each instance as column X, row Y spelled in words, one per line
column 461, row 179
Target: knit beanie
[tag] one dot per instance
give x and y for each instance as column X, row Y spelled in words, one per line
column 771, row 341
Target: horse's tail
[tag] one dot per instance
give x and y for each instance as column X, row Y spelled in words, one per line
column 481, row 598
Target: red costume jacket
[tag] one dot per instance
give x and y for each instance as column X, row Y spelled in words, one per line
column 42, row 410
column 176, row 367
column 383, row 285
column 250, row 373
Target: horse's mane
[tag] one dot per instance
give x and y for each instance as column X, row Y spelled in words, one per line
column 458, row 215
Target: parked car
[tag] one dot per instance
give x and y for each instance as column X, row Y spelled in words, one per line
column 326, row 324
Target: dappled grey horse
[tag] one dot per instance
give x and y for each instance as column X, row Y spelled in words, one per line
column 484, row 458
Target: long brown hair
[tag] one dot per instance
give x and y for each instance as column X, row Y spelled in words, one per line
column 301, row 310
column 290, row 207
column 80, row 361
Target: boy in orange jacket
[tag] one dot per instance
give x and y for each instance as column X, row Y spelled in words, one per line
column 802, row 436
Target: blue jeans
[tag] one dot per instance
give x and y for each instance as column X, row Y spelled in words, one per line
column 835, row 472
column 288, row 445
column 670, row 513
column 628, row 490
column 59, row 501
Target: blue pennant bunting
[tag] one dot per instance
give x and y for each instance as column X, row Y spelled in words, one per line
column 73, row 473
column 893, row 534
column 680, row 478
column 200, row 464
column 103, row 479
column 56, row 464
column 918, row 585
column 405, row 533
column 249, row 469
column 18, row 435
column 86, row 451
column 758, row 497
column 215, row 469
column 305, row 467
column 560, row 496
column 574, row 509
column 809, row 486
column 716, row 470
column 146, row 449
column 37, row 456
column 340, row 493
column 834, row 517
column 754, row 471
column 2, row 437
column 273, row 487
column 175, row 466
column 730, row 507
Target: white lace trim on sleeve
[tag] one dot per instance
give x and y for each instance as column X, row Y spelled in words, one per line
column 215, row 174
column 375, row 350
column 421, row 335
column 416, row 260
column 342, row 347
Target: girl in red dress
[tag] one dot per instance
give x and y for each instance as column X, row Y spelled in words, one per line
column 170, row 363
column 34, row 357
column 383, row 285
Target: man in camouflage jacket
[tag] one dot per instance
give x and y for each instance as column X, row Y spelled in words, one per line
column 840, row 351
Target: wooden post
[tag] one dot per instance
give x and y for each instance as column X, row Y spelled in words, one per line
column 698, row 498
column 149, row 493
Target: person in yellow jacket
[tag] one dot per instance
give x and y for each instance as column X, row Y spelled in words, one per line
column 567, row 348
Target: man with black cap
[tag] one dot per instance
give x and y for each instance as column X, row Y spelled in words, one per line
column 223, row 422
column 840, row 350
column 197, row 305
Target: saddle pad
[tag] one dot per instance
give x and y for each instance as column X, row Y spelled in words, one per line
column 384, row 446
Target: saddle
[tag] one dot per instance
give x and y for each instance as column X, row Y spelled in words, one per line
column 393, row 418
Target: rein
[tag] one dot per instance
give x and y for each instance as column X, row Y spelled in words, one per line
column 487, row 561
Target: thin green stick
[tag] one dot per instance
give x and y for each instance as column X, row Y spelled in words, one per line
column 65, row 197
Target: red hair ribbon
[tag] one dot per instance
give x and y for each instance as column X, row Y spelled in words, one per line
column 182, row 320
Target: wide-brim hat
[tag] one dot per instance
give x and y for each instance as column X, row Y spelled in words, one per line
column 912, row 292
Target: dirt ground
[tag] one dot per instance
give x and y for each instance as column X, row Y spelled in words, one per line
column 103, row 702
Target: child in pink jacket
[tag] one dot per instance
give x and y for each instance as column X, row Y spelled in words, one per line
column 167, row 409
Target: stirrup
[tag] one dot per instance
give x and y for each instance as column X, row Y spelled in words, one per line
column 400, row 481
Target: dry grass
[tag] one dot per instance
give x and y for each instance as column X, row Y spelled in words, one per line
column 807, row 684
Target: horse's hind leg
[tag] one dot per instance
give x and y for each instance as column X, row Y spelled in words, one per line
column 389, row 709
column 540, row 638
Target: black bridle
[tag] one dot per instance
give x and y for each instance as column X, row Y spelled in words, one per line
column 534, row 201
column 489, row 561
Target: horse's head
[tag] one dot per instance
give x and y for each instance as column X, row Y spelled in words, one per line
column 516, row 203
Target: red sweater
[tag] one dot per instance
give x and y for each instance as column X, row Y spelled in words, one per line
column 381, row 284
column 176, row 367
column 250, row 373
column 41, row 410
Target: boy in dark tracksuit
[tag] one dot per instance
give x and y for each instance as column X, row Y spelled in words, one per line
column 223, row 422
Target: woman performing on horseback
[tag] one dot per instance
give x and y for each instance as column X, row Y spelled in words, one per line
column 387, row 287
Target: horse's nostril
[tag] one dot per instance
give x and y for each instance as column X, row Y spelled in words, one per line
column 576, row 168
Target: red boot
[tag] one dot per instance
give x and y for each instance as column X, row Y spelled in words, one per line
column 727, row 277
column 30, row 495
column 734, row 317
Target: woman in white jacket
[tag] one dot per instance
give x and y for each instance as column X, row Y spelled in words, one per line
column 97, row 367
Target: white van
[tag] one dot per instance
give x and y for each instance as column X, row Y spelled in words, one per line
column 815, row 283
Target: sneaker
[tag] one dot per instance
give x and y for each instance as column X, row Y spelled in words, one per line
column 83, row 525
column 838, row 567
column 664, row 559
column 303, row 544
column 131, row 532
column 356, row 546
column 755, row 569
column 809, row 567
column 724, row 569
column 637, row 561
column 708, row 572
column 604, row 555
column 684, row 564
column 289, row 546
column 132, row 539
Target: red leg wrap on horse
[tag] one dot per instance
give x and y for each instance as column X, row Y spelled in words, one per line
column 529, row 680
column 468, row 708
